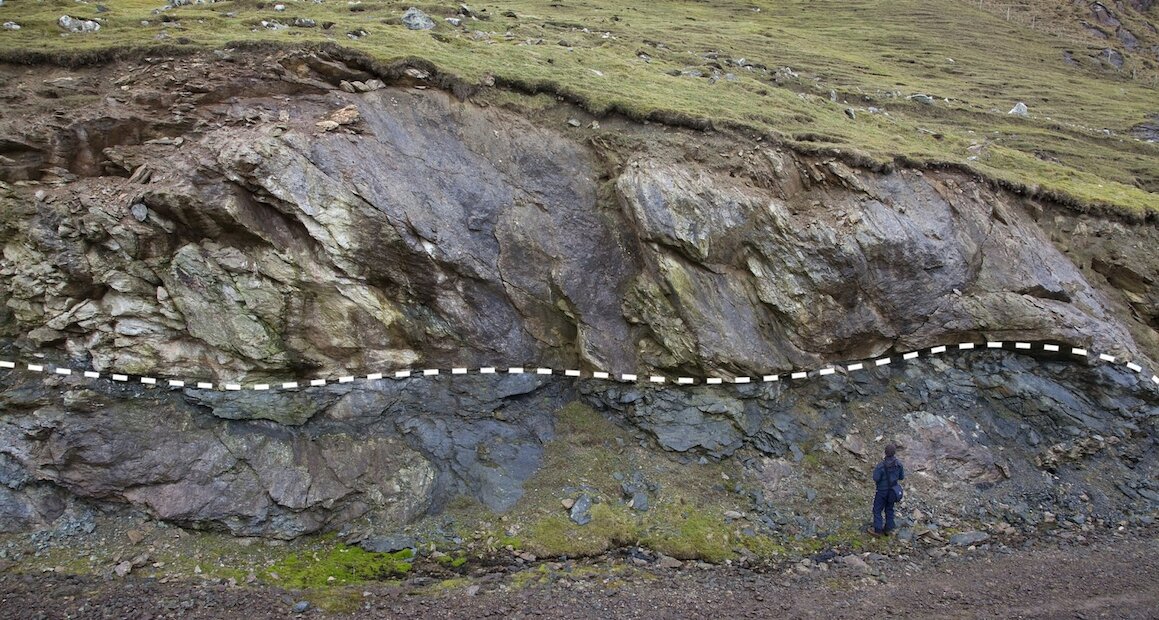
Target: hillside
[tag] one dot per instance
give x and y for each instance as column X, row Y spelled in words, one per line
column 568, row 305
column 914, row 82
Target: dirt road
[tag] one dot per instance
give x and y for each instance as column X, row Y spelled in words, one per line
column 1104, row 577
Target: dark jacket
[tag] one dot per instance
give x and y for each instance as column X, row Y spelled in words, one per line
column 887, row 473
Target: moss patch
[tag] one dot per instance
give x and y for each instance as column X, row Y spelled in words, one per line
column 340, row 565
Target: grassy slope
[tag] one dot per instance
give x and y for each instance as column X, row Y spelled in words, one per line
column 871, row 53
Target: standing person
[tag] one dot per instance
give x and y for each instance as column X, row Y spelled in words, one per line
column 886, row 475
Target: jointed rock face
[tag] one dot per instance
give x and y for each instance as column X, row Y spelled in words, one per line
column 261, row 223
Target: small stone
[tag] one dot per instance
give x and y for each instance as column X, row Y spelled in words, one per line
column 347, row 86
column 668, row 562
column 922, row 99
column 574, row 122
column 326, row 126
column 123, row 568
column 302, row 22
column 581, row 510
column 11, row 26
column 360, row 87
column 415, row 19
column 387, row 544
column 567, row 503
column 732, row 514
column 964, row 539
column 472, row 590
column 301, row 606
column 75, row 24
column 140, row 213
column 855, row 563
column 454, row 21
column 639, row 502
column 136, row 536
column 375, row 84
column 1019, row 109
column 851, row 113
column 279, row 7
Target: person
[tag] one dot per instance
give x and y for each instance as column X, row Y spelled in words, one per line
column 886, row 474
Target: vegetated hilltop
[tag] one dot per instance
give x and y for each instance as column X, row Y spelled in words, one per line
column 921, row 82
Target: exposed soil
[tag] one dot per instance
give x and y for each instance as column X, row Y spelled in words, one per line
column 1106, row 575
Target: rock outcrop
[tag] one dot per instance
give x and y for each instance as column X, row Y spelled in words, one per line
column 216, row 229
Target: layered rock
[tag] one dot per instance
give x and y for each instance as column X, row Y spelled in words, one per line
column 263, row 224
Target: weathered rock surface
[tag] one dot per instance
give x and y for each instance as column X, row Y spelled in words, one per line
column 275, row 222
column 387, row 452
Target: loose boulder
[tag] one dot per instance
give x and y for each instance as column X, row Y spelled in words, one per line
column 415, row 19
column 75, row 24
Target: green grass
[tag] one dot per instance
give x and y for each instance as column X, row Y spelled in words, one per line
column 339, row 565
column 873, row 53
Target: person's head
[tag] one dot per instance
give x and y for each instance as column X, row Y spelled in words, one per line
column 890, row 449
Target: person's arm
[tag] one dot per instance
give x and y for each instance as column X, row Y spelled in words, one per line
column 877, row 473
column 900, row 471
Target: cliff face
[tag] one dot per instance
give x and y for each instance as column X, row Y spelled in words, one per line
column 259, row 224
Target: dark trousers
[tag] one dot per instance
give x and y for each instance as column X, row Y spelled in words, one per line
column 883, row 501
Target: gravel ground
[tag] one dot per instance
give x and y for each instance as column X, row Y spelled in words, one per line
column 1106, row 576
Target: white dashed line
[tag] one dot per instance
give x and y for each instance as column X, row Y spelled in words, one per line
column 625, row 377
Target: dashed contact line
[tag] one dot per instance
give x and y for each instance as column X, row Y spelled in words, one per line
column 602, row 375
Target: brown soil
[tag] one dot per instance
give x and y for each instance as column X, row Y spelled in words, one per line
column 1105, row 576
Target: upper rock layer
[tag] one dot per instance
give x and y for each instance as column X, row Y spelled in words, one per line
column 259, row 221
